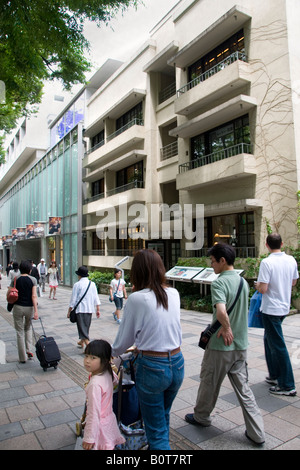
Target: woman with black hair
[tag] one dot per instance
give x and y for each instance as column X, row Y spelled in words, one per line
column 151, row 321
column 25, row 308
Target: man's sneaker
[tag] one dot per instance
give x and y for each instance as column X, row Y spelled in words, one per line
column 115, row 317
column 118, row 321
column 280, row 391
column 271, row 381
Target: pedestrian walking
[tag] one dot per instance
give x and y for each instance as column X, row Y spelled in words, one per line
column 24, row 309
column 53, row 279
column 14, row 272
column 87, row 291
column 117, row 292
column 151, row 321
column 101, row 431
column 43, row 271
column 226, row 352
column 278, row 273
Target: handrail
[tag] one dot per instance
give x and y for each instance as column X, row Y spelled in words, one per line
column 216, row 156
column 212, row 71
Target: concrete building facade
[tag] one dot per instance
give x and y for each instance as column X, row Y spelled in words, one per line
column 198, row 132
column 205, row 113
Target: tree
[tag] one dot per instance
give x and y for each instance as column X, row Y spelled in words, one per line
column 44, row 40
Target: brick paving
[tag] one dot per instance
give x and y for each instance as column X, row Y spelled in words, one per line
column 38, row 410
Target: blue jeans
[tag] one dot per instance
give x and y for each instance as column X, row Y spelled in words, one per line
column 158, row 380
column 277, row 356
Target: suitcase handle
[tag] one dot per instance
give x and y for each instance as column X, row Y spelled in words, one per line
column 42, row 327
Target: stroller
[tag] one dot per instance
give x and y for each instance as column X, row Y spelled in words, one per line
column 126, row 407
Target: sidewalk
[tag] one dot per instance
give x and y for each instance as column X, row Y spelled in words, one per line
column 38, row 409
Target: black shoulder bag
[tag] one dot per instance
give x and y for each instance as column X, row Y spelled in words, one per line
column 73, row 314
column 211, row 329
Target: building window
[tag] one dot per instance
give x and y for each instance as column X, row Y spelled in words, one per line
column 98, row 187
column 134, row 113
column 97, row 139
column 221, row 138
column 131, row 174
column 130, row 245
column 228, row 47
column 97, row 243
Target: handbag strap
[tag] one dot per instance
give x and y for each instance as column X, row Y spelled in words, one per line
column 217, row 324
column 82, row 296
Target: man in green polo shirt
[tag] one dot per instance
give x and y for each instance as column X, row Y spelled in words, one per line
column 226, row 353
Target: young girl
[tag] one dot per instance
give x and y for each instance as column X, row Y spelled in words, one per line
column 53, row 279
column 101, row 431
column 117, row 292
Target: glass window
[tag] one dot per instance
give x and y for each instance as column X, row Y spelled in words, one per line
column 220, row 138
column 228, row 47
column 67, row 181
column 130, row 174
column 98, row 187
column 74, row 195
column 133, row 113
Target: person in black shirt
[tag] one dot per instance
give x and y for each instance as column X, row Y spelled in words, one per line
column 24, row 309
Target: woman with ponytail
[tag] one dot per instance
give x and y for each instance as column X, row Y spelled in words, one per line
column 151, row 322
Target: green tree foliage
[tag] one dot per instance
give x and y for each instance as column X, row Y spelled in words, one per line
column 44, row 40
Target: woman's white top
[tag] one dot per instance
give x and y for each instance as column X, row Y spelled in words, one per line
column 148, row 327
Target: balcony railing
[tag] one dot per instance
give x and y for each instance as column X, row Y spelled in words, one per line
column 216, row 156
column 95, row 147
column 134, row 122
column 169, row 151
column 125, row 187
column 215, row 69
column 166, row 93
column 240, row 252
column 94, row 253
column 94, row 198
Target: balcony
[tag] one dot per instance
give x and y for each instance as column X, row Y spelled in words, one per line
column 228, row 76
column 215, row 157
column 127, row 137
column 216, row 167
column 169, row 151
column 134, row 193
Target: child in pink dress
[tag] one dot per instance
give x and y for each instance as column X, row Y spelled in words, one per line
column 101, row 431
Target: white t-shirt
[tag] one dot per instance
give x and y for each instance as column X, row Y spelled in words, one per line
column 149, row 327
column 117, row 288
column 278, row 271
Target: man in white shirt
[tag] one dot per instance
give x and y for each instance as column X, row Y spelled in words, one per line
column 85, row 296
column 42, row 270
column 278, row 273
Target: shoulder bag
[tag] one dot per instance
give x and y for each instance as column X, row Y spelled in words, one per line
column 12, row 293
column 115, row 294
column 254, row 314
column 211, row 329
column 73, row 314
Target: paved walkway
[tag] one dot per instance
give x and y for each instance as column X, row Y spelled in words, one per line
column 38, row 409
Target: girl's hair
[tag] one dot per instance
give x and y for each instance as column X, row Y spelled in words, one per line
column 148, row 270
column 102, row 349
column 116, row 270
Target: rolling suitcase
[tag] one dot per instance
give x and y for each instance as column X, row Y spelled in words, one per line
column 47, row 351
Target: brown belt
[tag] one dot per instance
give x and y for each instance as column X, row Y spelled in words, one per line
column 160, row 354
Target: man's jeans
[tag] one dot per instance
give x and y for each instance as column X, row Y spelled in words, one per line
column 277, row 356
column 43, row 281
column 158, row 380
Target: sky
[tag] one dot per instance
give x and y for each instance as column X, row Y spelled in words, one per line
column 126, row 33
